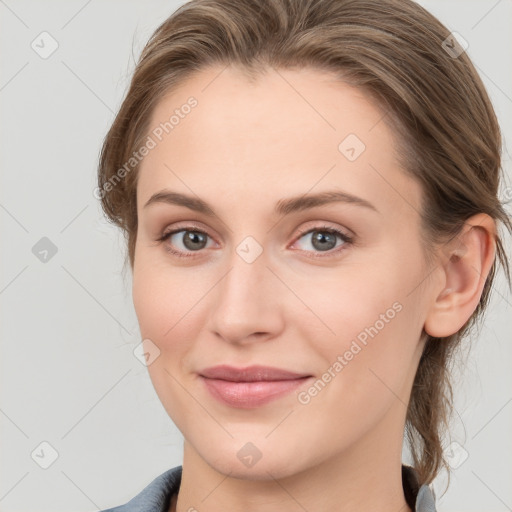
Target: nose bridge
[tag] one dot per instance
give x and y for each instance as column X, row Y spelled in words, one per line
column 245, row 302
column 246, row 284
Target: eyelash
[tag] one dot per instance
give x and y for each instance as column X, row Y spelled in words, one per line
column 348, row 240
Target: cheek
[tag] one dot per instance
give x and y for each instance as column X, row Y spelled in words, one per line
column 368, row 316
column 160, row 294
column 170, row 307
column 366, row 367
column 347, row 301
column 166, row 316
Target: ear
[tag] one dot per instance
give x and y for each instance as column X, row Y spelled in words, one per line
column 466, row 262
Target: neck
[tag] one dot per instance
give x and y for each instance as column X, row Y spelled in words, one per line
column 365, row 477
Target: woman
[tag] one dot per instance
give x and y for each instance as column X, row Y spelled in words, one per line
column 308, row 190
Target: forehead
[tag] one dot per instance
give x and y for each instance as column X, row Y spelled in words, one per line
column 288, row 131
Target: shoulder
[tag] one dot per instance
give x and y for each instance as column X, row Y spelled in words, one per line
column 155, row 497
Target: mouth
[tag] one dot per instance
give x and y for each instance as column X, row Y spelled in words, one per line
column 250, row 387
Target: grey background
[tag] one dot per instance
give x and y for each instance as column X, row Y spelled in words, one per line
column 68, row 329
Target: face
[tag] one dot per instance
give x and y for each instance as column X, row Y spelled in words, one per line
column 333, row 291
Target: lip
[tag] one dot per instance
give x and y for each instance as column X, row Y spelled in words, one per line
column 252, row 386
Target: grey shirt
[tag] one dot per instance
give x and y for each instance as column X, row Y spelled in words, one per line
column 156, row 497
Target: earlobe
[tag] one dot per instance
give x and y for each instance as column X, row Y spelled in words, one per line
column 466, row 263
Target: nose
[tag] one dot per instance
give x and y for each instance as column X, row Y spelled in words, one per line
column 247, row 302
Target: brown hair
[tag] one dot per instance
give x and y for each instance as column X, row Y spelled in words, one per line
column 399, row 54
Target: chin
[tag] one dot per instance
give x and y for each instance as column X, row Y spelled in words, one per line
column 241, row 466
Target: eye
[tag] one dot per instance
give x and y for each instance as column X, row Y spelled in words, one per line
column 324, row 239
column 184, row 241
column 188, row 239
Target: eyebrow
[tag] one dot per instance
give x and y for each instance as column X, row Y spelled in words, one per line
column 283, row 206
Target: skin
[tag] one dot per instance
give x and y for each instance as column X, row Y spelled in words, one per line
column 243, row 148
